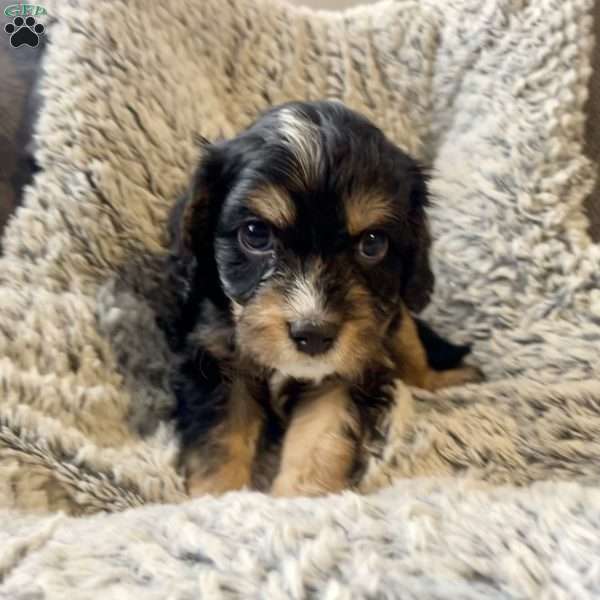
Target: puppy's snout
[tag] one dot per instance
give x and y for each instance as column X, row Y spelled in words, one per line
column 313, row 338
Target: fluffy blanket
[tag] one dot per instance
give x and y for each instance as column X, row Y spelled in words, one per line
column 497, row 486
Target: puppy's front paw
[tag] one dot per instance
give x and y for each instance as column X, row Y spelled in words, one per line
column 472, row 374
column 292, row 485
column 228, row 477
column 437, row 380
column 286, row 487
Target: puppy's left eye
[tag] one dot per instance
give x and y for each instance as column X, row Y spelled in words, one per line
column 373, row 246
column 256, row 237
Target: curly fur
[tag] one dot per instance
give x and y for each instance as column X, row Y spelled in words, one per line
column 491, row 94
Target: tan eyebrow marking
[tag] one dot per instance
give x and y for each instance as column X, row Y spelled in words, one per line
column 273, row 204
column 367, row 210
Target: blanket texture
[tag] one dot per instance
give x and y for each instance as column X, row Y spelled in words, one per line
column 497, row 491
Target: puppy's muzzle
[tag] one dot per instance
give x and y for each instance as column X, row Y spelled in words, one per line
column 313, row 338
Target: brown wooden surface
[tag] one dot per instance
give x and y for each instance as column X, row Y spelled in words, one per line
column 593, row 130
column 18, row 69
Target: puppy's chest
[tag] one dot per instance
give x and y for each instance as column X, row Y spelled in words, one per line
column 283, row 393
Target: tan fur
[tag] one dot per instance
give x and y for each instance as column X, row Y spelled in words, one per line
column 319, row 447
column 274, row 205
column 411, row 360
column 366, row 211
column 262, row 332
column 232, row 448
column 261, row 327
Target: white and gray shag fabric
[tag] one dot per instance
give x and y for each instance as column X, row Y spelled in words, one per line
column 498, row 485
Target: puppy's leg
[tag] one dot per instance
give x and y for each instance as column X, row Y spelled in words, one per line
column 223, row 461
column 320, row 444
column 412, row 363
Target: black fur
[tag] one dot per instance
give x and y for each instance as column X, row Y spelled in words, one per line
column 209, row 264
column 201, row 393
column 441, row 354
column 355, row 153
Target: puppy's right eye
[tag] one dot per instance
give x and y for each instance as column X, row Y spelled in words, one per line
column 373, row 246
column 255, row 237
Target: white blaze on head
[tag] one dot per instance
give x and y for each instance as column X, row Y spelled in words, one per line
column 304, row 300
column 304, row 140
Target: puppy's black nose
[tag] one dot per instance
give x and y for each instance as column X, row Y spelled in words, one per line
column 313, row 338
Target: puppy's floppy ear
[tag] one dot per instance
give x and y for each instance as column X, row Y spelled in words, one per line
column 191, row 227
column 191, row 215
column 418, row 278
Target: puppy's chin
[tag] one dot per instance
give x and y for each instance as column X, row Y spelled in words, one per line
column 308, row 369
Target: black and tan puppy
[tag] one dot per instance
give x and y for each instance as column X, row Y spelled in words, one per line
column 301, row 250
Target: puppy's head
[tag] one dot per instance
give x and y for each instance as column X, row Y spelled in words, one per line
column 310, row 228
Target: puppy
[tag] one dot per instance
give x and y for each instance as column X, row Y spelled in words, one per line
column 300, row 251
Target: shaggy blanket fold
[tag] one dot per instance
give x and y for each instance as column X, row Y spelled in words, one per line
column 490, row 93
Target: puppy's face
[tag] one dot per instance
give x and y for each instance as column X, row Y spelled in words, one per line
column 312, row 225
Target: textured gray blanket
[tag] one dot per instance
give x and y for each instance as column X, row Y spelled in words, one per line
column 497, row 486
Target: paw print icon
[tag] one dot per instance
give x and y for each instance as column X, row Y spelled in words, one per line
column 24, row 32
